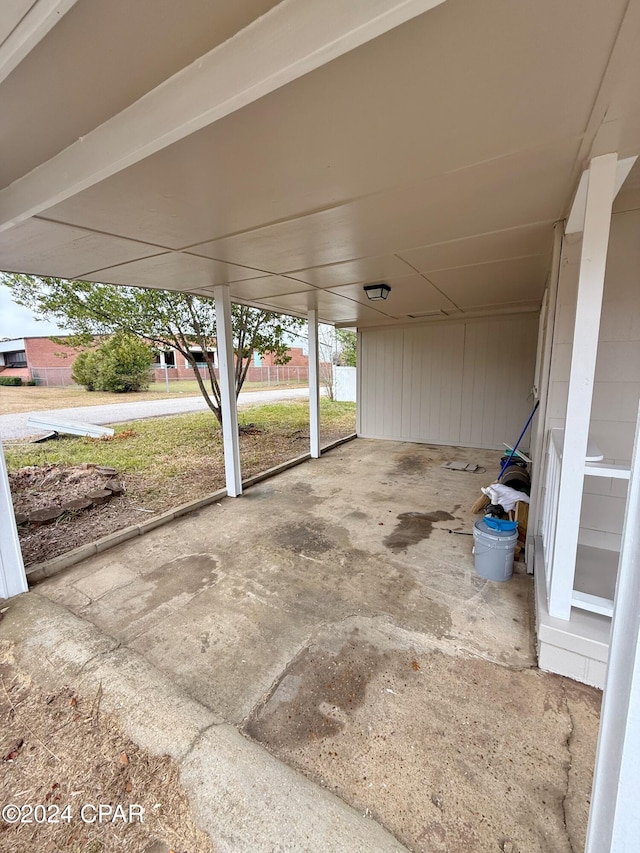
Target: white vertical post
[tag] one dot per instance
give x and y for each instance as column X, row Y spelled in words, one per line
column 593, row 258
column 230, row 437
column 314, row 383
column 614, row 819
column 542, row 393
column 359, row 395
column 13, row 579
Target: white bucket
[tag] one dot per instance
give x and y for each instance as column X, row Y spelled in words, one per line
column 493, row 551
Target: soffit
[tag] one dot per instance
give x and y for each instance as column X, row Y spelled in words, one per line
column 185, row 272
column 64, row 250
column 447, row 147
column 462, row 85
column 102, row 56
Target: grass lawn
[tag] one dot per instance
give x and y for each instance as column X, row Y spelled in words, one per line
column 165, row 462
column 40, row 398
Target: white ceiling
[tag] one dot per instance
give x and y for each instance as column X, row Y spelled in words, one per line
column 435, row 157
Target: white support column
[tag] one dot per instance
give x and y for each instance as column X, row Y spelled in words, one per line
column 231, row 439
column 595, row 240
column 614, row 819
column 314, row 383
column 358, row 381
column 13, row 579
column 542, row 393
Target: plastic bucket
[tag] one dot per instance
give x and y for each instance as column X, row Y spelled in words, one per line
column 493, row 551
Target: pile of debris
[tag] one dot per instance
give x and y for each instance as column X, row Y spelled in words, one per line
column 44, row 494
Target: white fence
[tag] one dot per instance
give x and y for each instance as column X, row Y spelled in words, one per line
column 344, row 383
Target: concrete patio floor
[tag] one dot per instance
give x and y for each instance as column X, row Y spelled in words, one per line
column 330, row 616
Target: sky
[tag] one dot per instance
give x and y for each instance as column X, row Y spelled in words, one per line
column 18, row 322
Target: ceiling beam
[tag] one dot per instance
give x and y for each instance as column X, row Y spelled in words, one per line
column 292, row 39
column 32, row 28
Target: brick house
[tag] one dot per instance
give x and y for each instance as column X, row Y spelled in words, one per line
column 50, row 363
column 37, row 358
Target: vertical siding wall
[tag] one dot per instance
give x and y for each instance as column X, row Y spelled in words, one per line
column 617, row 382
column 459, row 383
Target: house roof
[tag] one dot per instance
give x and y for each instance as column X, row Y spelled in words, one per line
column 299, row 150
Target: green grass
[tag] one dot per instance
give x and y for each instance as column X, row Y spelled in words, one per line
column 169, row 446
column 39, row 398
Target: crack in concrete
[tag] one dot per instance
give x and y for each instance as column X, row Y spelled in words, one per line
column 104, row 655
column 197, row 737
column 304, row 648
column 569, row 765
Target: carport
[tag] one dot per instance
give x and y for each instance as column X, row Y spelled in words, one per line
column 287, row 154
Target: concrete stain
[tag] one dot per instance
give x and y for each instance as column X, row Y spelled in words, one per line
column 413, row 528
column 316, row 696
column 311, row 537
column 410, row 463
column 303, row 538
column 189, row 575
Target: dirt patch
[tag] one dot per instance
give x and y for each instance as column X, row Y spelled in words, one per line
column 60, row 750
column 145, row 496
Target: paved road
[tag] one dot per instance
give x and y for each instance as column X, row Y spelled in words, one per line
column 15, row 426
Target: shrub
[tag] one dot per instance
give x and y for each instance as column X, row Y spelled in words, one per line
column 85, row 370
column 31, row 383
column 120, row 364
column 14, row 381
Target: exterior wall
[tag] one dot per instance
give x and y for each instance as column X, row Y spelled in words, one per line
column 295, row 370
column 43, row 352
column 617, row 382
column 459, row 383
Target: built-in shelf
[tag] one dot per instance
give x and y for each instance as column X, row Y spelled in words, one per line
column 604, row 469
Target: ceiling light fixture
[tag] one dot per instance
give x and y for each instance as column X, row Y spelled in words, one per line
column 377, row 291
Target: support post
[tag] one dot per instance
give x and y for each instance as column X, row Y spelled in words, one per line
column 614, row 818
column 314, row 384
column 593, row 258
column 230, row 437
column 542, row 392
column 13, row 579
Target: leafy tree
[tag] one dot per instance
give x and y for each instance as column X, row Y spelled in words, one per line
column 163, row 318
column 348, row 347
column 120, row 364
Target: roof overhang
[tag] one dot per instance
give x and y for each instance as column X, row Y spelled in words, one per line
column 297, row 151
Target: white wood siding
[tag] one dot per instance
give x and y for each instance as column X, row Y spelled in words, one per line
column 432, row 376
column 459, row 383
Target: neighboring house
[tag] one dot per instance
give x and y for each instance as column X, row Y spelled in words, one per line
column 50, row 363
column 260, row 370
column 37, row 358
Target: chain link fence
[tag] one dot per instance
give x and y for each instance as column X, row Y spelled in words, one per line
column 267, row 375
